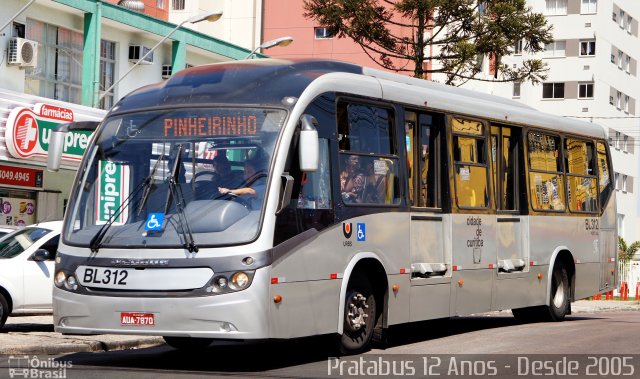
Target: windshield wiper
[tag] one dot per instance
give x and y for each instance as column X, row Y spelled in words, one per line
column 175, row 191
column 147, row 183
column 95, row 242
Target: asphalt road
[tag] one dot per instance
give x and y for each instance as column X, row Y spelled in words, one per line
column 495, row 345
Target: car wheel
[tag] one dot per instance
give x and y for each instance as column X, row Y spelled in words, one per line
column 4, row 310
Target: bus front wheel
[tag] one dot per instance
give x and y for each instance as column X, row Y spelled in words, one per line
column 187, row 343
column 360, row 315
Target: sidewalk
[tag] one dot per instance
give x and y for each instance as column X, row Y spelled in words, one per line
column 35, row 335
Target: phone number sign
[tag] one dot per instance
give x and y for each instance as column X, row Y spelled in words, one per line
column 21, row 176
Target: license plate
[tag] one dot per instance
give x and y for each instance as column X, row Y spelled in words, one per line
column 137, row 319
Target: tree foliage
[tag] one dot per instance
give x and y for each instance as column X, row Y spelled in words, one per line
column 459, row 32
column 627, row 252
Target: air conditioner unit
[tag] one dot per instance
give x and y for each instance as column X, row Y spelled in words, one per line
column 23, row 52
column 166, row 71
column 138, row 51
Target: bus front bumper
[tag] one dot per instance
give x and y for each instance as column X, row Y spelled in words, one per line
column 238, row 315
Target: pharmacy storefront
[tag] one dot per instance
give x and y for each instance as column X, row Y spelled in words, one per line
column 28, row 192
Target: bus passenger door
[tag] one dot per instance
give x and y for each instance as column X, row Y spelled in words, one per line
column 511, row 227
column 430, row 252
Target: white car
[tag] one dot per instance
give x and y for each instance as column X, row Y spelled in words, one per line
column 26, row 269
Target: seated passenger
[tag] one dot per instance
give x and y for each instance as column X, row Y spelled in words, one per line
column 352, row 180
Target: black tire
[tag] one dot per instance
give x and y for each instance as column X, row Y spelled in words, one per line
column 4, row 310
column 360, row 316
column 558, row 306
column 187, row 343
column 559, row 300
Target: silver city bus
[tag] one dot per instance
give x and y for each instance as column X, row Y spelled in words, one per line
column 275, row 199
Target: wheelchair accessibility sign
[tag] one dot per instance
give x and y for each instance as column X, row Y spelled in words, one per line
column 154, row 222
column 361, row 232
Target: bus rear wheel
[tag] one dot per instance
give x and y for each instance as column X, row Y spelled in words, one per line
column 559, row 304
column 187, row 343
column 360, row 316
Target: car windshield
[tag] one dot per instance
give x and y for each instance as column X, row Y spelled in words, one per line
column 160, row 178
column 17, row 242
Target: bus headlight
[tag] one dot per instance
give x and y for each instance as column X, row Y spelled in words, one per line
column 60, row 279
column 71, row 283
column 220, row 282
column 240, row 280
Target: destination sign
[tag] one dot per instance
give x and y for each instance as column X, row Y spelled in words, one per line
column 210, row 126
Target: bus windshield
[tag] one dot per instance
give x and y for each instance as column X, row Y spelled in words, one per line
column 175, row 177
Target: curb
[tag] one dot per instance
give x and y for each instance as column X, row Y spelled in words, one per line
column 77, row 346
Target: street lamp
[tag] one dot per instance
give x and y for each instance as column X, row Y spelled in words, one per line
column 282, row 41
column 211, row 17
column 17, row 14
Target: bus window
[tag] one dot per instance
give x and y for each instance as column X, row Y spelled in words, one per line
column 604, row 175
column 504, row 158
column 423, row 173
column 546, row 179
column 368, row 159
column 469, row 155
column 581, row 179
column 315, row 186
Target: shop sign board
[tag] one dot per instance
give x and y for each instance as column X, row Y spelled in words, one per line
column 112, row 190
column 17, row 211
column 28, row 132
column 21, row 176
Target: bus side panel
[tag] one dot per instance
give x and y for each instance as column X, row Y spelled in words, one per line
column 325, row 257
column 430, row 301
column 306, row 308
column 587, row 283
column 520, row 290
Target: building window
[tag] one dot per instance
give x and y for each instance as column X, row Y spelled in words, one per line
column 322, row 33
column 177, row 5
column 555, row 49
column 621, row 18
column 107, row 72
column 553, row 90
column 626, row 103
column 623, row 185
column 517, row 49
column 516, row 89
column 58, row 74
column 616, row 177
column 160, row 4
column 589, row 6
column 620, row 56
column 619, row 100
column 616, row 143
column 629, row 22
column 614, row 16
column 620, row 224
column 588, row 48
column 585, row 90
column 555, row 7
column 625, row 141
column 627, row 63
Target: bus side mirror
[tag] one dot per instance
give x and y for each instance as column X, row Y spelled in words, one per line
column 308, row 145
column 57, row 140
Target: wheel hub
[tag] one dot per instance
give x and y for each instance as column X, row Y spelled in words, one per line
column 357, row 311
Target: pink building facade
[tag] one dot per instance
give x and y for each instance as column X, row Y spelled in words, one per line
column 286, row 18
